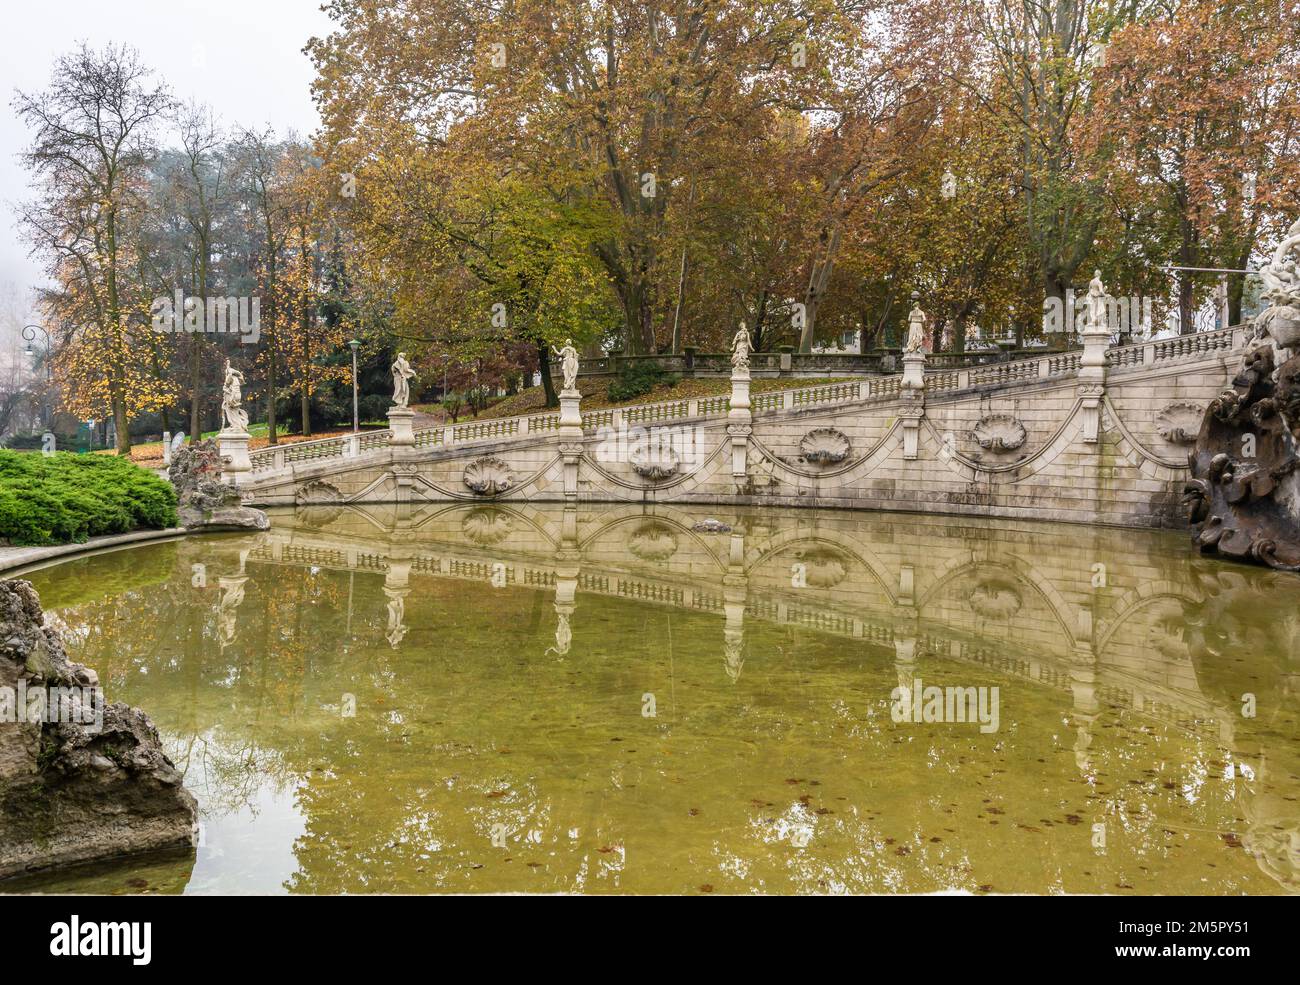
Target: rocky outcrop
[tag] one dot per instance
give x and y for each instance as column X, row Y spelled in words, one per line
column 1243, row 498
column 203, row 500
column 79, row 780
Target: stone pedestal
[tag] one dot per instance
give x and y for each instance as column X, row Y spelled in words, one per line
column 232, row 446
column 570, row 414
column 1092, row 379
column 400, row 421
column 914, row 371
column 740, row 422
column 570, row 433
column 912, row 393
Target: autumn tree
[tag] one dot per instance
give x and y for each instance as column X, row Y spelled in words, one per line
column 93, row 136
column 1198, row 122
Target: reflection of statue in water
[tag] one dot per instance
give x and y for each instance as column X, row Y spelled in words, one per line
column 232, row 399
column 568, row 364
column 402, row 373
column 563, row 634
column 232, row 594
column 1243, row 638
column 733, row 661
column 396, row 613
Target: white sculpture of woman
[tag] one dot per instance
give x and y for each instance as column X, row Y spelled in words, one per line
column 1096, row 302
column 916, row 320
column 232, row 399
column 740, row 343
column 401, row 373
column 568, row 364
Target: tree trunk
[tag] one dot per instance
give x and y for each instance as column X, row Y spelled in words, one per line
column 544, row 370
column 1055, row 289
column 196, row 378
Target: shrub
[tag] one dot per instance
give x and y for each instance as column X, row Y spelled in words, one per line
column 65, row 498
column 636, row 379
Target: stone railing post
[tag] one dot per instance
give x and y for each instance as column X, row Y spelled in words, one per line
column 1092, row 376
column 740, row 420
column 911, row 389
column 570, row 432
column 912, row 393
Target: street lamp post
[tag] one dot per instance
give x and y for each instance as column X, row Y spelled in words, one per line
column 356, row 421
column 29, row 336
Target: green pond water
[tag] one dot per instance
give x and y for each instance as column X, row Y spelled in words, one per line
column 462, row 698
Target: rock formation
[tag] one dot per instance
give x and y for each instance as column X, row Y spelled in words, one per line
column 203, row 500
column 88, row 782
column 1244, row 496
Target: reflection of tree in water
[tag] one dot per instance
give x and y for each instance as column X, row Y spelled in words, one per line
column 462, row 729
column 226, row 704
column 1244, row 639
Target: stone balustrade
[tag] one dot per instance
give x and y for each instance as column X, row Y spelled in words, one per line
column 939, row 380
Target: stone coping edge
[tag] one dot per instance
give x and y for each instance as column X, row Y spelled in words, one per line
column 15, row 560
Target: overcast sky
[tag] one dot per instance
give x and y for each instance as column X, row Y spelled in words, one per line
column 242, row 57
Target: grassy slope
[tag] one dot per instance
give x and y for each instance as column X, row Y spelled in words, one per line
column 533, row 400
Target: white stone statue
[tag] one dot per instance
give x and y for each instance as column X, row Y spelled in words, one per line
column 740, row 349
column 232, row 399
column 916, row 320
column 402, row 372
column 1278, row 325
column 1281, row 280
column 1095, row 320
column 568, row 364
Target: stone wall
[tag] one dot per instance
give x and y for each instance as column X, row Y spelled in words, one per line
column 1029, row 439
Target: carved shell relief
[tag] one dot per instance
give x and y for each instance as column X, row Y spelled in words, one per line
column 487, row 525
column 653, row 541
column 654, row 460
column 994, row 597
column 825, row 446
column 489, row 476
column 999, row 432
column 318, row 503
column 318, row 493
column 1180, row 423
column 821, row 567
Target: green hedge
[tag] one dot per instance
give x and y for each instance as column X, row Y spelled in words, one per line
column 64, row 498
column 636, row 379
